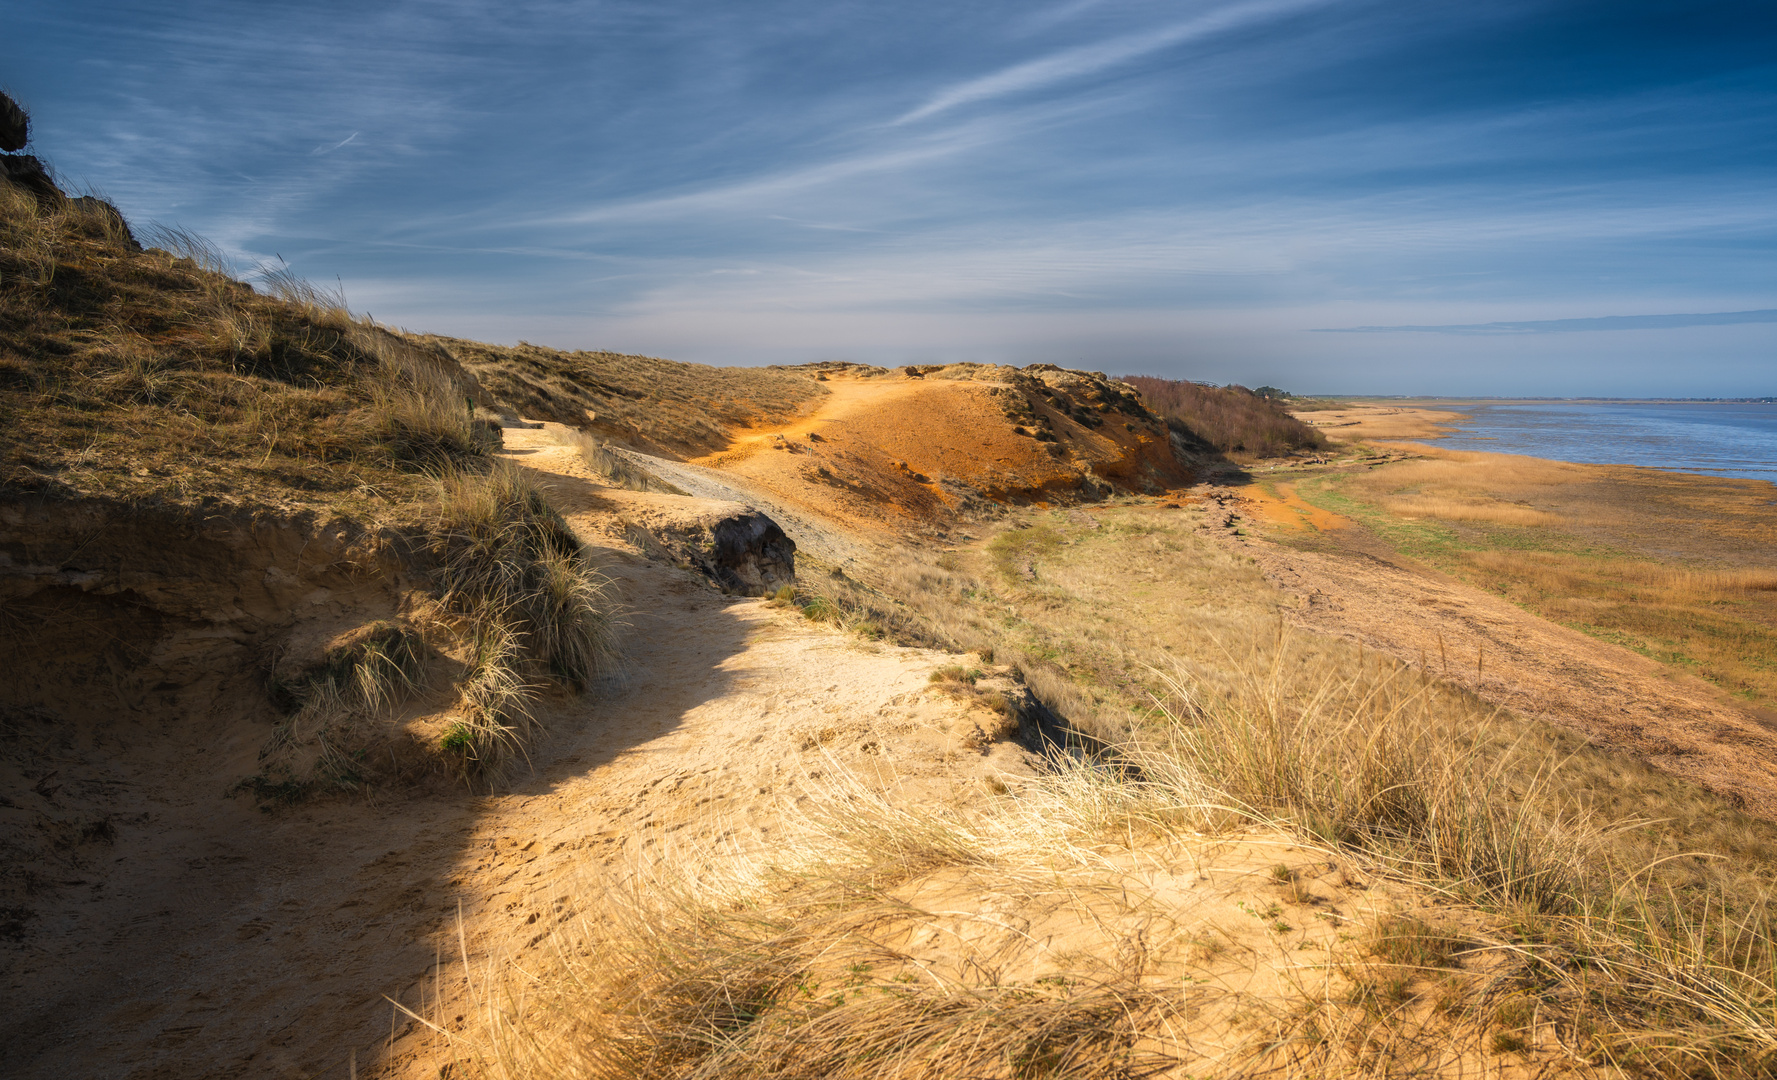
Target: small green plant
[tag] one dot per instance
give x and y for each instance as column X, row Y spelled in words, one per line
column 272, row 793
column 821, row 609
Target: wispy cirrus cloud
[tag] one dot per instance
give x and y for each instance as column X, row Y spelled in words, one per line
column 1084, row 60
column 1190, row 181
column 329, row 148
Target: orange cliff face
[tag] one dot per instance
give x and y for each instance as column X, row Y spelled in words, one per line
column 900, row 448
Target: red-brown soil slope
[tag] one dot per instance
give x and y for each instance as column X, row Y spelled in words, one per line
column 900, row 450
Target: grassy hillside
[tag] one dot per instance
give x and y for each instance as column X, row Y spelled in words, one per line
column 152, row 374
column 660, row 406
column 147, row 392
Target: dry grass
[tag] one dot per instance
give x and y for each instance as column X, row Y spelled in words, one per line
column 660, row 406
column 155, row 374
column 1454, row 486
column 1450, row 509
column 1083, row 612
column 338, row 707
column 1581, row 908
column 1556, row 572
column 136, row 375
column 517, row 609
column 613, row 466
column 380, row 666
column 1110, row 606
column 875, row 942
column 1719, row 624
column 804, row 979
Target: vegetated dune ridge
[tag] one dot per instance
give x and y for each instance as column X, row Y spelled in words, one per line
column 657, row 406
column 908, row 453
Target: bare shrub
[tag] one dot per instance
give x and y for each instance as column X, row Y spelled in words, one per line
column 1229, row 419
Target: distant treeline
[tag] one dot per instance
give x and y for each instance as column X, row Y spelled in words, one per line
column 1227, row 419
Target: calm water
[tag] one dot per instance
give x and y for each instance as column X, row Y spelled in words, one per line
column 1717, row 438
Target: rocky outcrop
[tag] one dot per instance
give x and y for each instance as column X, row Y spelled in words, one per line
column 15, row 126
column 25, row 171
column 737, row 547
column 749, row 553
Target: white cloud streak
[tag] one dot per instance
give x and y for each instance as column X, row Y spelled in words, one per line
column 1085, row 60
column 322, row 150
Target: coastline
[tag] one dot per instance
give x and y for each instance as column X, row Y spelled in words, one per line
column 1710, row 439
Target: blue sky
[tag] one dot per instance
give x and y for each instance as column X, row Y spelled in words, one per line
column 1200, row 189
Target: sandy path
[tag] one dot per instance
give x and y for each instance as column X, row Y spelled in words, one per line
column 213, row 940
column 731, row 710
column 1360, row 590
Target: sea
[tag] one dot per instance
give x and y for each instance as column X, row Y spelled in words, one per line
column 1715, row 438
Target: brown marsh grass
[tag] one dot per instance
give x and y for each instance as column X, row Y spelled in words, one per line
column 1718, row 624
column 1452, row 509
column 1676, row 567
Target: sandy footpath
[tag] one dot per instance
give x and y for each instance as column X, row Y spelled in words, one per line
column 229, row 942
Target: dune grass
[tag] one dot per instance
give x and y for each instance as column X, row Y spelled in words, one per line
column 532, row 607
column 1510, row 928
column 612, row 467
column 156, row 374
column 1427, row 886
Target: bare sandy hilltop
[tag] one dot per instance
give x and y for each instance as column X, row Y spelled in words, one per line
column 387, row 704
